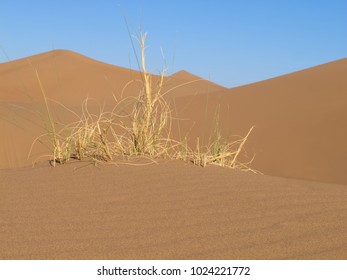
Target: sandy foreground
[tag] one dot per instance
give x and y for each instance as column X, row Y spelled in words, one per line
column 173, row 210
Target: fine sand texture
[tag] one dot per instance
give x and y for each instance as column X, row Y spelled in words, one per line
column 168, row 211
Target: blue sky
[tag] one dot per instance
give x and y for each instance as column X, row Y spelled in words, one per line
column 231, row 42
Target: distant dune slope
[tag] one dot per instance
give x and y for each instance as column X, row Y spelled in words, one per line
column 300, row 121
column 69, row 78
column 66, row 76
column 300, row 118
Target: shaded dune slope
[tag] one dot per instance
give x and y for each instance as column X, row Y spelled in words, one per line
column 300, row 121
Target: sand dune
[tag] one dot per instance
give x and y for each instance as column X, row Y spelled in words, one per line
column 176, row 210
column 300, row 118
column 304, row 117
column 68, row 78
column 300, row 121
column 168, row 211
column 187, row 84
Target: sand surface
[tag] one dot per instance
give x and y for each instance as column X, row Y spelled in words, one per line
column 168, row 211
column 175, row 210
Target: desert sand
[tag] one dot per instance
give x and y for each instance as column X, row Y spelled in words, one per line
column 173, row 209
column 168, row 211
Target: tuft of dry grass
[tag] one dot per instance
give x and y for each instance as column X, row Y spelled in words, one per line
column 145, row 130
column 222, row 153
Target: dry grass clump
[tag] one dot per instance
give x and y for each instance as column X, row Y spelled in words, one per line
column 144, row 130
column 222, row 153
column 219, row 151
